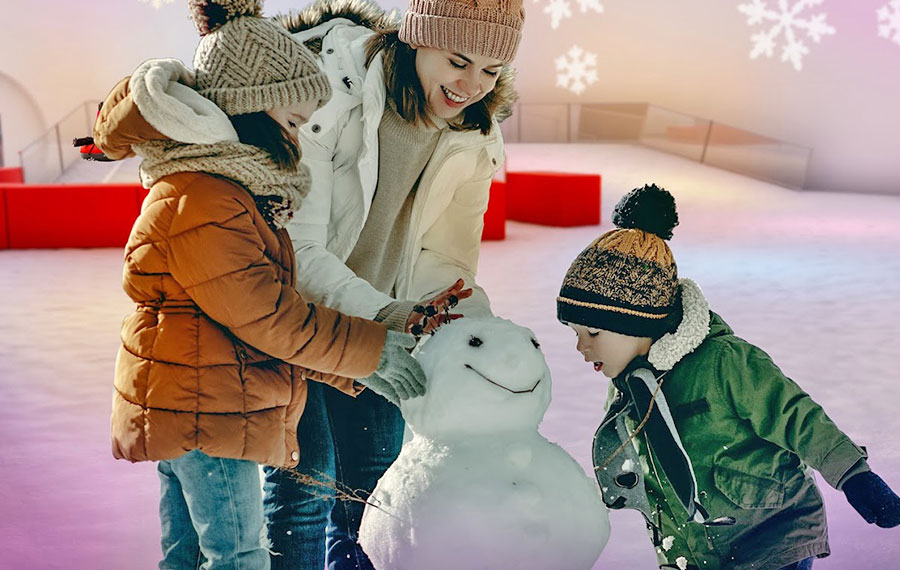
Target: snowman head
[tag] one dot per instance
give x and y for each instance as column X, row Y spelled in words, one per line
column 485, row 376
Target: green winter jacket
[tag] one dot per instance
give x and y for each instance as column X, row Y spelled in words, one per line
column 750, row 433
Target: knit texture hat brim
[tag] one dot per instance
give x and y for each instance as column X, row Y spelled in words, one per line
column 255, row 98
column 579, row 307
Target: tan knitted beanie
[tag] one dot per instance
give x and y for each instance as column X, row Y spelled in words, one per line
column 490, row 28
column 246, row 63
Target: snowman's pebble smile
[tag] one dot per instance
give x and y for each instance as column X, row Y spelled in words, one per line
column 532, row 389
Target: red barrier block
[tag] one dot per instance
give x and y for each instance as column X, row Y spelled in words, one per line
column 553, row 198
column 60, row 216
column 4, row 235
column 142, row 193
column 495, row 216
column 12, row 175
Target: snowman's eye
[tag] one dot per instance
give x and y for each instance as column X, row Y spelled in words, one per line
column 536, row 343
column 475, row 341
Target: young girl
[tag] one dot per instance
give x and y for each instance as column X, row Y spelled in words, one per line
column 703, row 433
column 402, row 159
column 207, row 380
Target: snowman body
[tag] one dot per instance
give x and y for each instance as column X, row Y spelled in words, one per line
column 477, row 487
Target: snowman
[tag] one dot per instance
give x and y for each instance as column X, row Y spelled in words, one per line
column 477, row 487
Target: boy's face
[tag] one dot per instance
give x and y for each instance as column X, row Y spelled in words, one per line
column 610, row 352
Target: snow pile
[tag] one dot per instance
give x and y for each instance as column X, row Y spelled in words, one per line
column 478, row 487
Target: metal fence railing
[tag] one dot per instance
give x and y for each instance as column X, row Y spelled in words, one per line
column 698, row 139
column 51, row 154
column 47, row 158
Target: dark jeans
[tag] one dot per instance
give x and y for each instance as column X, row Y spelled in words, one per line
column 344, row 441
column 802, row 565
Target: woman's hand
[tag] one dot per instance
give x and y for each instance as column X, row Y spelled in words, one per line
column 428, row 316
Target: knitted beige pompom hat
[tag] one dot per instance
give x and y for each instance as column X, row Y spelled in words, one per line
column 490, row 28
column 246, row 63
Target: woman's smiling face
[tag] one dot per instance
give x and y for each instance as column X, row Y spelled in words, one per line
column 452, row 81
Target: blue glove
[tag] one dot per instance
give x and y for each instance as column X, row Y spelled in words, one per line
column 873, row 499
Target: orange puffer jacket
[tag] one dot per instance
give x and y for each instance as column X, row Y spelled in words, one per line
column 211, row 357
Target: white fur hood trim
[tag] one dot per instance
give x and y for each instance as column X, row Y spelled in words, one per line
column 666, row 352
column 162, row 90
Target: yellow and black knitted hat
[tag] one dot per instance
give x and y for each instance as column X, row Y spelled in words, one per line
column 626, row 281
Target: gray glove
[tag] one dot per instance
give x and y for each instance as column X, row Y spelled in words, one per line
column 399, row 376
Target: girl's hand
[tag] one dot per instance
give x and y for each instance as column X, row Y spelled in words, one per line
column 428, row 316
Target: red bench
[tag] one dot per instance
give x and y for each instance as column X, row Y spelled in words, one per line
column 61, row 216
column 12, row 175
column 553, row 198
column 495, row 217
column 4, row 234
column 101, row 215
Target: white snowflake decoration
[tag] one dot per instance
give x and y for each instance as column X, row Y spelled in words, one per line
column 560, row 10
column 787, row 19
column 157, row 3
column 576, row 70
column 590, row 6
column 889, row 14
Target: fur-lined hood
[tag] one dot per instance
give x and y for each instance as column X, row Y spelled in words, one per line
column 368, row 14
column 666, row 352
column 361, row 12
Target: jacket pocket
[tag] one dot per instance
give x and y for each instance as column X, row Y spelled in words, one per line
column 748, row 491
column 691, row 409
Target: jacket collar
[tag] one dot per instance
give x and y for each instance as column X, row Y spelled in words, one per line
column 358, row 12
column 666, row 352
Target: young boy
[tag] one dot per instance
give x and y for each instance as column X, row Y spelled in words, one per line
column 704, row 434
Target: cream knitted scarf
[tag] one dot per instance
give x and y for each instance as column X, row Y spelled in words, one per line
column 278, row 193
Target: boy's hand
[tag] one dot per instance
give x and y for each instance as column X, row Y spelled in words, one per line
column 428, row 316
column 873, row 499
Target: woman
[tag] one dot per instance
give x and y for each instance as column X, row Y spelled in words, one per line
column 207, row 380
column 402, row 159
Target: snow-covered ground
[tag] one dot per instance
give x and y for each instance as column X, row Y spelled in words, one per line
column 812, row 278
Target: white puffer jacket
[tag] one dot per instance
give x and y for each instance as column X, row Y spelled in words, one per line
column 340, row 145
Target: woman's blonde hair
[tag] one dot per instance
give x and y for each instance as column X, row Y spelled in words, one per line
column 405, row 90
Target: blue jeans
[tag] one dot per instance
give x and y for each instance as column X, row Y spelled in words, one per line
column 344, row 441
column 211, row 514
column 805, row 564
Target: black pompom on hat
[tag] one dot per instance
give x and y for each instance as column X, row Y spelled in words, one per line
column 650, row 208
column 626, row 281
